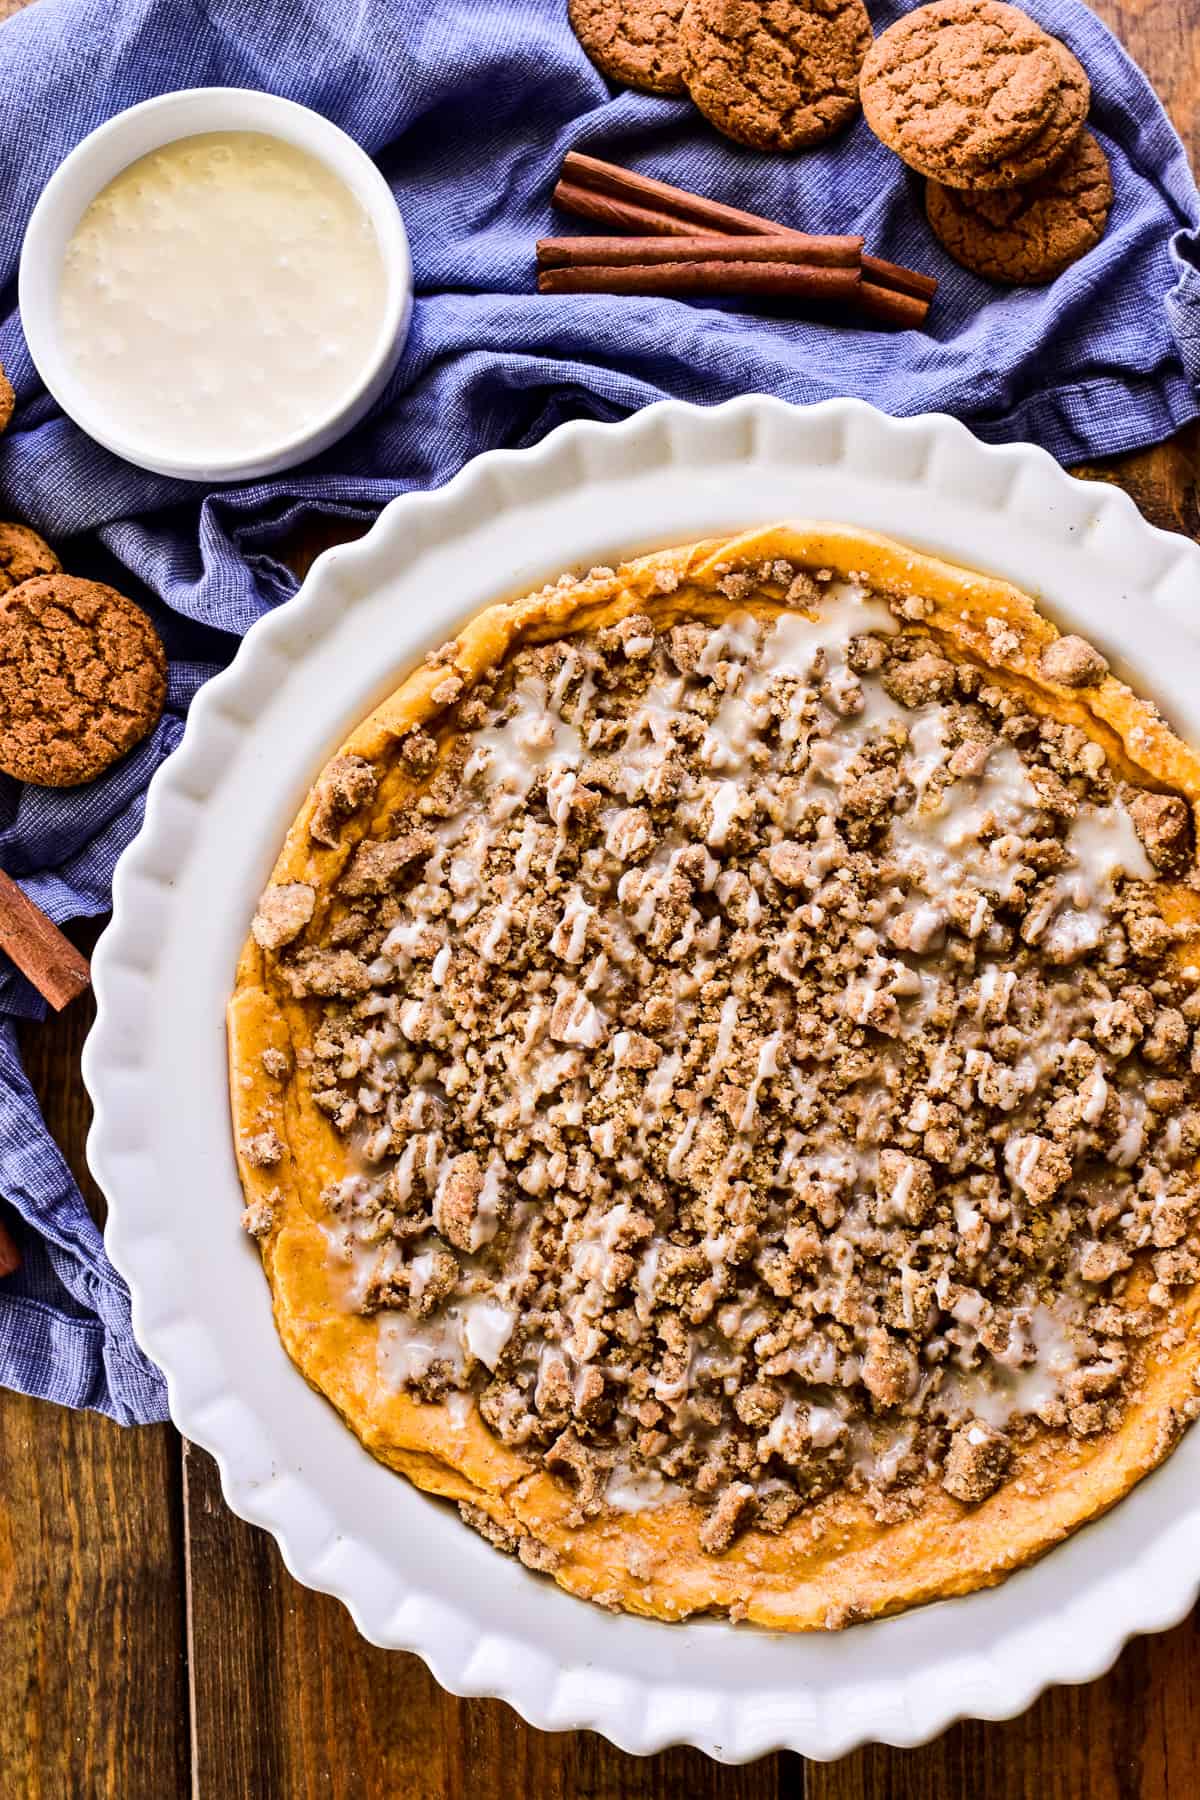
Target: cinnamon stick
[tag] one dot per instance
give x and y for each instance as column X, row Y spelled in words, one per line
column 816, row 252
column 890, row 307
column 10, row 1256
column 618, row 197
column 643, row 190
column 620, row 215
column 788, row 281
column 39, row 949
column 896, row 276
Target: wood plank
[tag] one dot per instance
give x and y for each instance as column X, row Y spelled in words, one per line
column 1162, row 481
column 1164, row 37
column 1132, row 1734
column 93, row 1694
column 288, row 1699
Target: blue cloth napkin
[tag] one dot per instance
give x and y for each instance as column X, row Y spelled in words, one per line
column 469, row 107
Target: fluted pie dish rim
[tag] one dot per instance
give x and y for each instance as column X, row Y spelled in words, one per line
column 1087, row 554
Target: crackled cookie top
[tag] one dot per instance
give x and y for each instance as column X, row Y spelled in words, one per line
column 762, row 1057
column 23, row 554
column 635, row 41
column 775, row 74
column 1028, row 234
column 83, row 676
column 961, row 85
column 1052, row 143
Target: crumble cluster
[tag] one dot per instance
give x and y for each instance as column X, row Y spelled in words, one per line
column 766, row 1058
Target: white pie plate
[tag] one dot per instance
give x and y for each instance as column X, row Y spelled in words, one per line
column 412, row 1575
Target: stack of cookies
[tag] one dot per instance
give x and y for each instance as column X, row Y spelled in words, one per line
column 774, row 74
column 979, row 99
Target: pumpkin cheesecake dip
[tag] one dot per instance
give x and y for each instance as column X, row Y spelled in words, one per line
column 714, row 1077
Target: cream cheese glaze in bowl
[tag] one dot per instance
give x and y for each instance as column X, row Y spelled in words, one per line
column 155, row 1066
column 216, row 284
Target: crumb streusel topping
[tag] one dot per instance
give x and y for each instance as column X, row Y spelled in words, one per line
column 763, row 1056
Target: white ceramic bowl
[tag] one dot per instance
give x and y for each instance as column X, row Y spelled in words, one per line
column 132, row 134
column 412, row 1575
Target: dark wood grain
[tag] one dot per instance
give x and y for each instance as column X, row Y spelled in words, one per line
column 93, row 1685
column 93, row 1692
column 1131, row 1736
column 151, row 1644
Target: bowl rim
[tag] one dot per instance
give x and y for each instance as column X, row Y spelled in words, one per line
column 121, row 141
column 483, row 1624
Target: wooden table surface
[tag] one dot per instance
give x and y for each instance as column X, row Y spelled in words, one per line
column 152, row 1645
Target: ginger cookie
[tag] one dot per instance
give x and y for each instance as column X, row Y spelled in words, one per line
column 1061, row 130
column 634, row 41
column 1027, row 235
column 973, row 94
column 83, row 678
column 775, row 74
column 8, row 399
column 23, row 554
